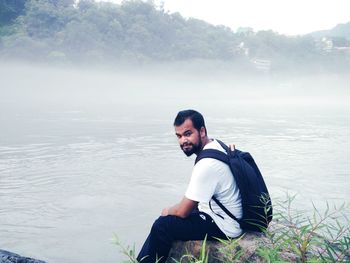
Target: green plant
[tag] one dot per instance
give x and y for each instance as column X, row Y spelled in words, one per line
column 315, row 237
column 231, row 251
column 128, row 251
column 203, row 255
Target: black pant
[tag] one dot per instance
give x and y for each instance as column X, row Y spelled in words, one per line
column 166, row 229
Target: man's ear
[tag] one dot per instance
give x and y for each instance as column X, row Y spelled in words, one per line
column 202, row 132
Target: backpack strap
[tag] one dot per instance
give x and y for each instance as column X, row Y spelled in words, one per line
column 221, row 156
column 228, row 149
column 216, row 154
column 214, row 212
column 212, row 153
column 225, row 209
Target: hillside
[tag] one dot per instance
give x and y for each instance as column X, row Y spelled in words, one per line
column 63, row 31
column 339, row 31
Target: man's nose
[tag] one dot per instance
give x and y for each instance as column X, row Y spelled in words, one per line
column 183, row 140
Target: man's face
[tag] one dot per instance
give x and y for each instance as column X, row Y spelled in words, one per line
column 189, row 138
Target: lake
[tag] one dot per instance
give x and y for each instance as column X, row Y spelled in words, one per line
column 85, row 155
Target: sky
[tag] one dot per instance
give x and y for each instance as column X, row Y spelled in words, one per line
column 289, row 17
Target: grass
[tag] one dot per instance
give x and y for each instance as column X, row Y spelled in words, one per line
column 293, row 236
column 311, row 237
column 203, row 256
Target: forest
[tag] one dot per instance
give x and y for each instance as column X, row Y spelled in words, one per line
column 135, row 31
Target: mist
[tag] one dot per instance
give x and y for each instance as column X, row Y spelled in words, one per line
column 83, row 148
column 125, row 90
column 45, row 92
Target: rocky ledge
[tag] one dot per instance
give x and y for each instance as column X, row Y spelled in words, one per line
column 244, row 247
column 10, row 257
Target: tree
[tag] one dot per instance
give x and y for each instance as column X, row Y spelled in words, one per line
column 10, row 10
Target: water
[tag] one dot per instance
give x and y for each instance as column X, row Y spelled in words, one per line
column 81, row 158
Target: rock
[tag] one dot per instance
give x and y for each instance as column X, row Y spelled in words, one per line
column 246, row 245
column 10, row 257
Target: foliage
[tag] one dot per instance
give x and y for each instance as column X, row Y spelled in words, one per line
column 317, row 237
column 231, row 250
column 203, row 255
column 128, row 251
column 111, row 32
column 10, row 9
column 139, row 31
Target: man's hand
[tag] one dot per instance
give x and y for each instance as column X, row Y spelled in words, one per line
column 182, row 209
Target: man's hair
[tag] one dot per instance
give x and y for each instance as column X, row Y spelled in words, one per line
column 196, row 118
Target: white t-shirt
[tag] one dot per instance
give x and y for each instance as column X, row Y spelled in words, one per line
column 213, row 177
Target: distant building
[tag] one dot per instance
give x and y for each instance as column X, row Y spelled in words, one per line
column 263, row 65
column 326, row 44
column 343, row 51
column 335, row 45
column 241, row 49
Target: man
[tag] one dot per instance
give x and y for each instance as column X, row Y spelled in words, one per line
column 197, row 215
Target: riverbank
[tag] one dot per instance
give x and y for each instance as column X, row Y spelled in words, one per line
column 293, row 236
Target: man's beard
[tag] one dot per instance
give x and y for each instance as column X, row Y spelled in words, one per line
column 194, row 149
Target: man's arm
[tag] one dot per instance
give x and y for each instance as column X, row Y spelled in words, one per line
column 182, row 209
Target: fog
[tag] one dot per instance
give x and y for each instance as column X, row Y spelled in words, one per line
column 120, row 90
column 87, row 152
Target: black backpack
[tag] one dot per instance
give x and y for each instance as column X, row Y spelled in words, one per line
column 256, row 202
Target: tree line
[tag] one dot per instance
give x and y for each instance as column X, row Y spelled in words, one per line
column 137, row 31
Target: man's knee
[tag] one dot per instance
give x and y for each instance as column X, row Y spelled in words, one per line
column 161, row 225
